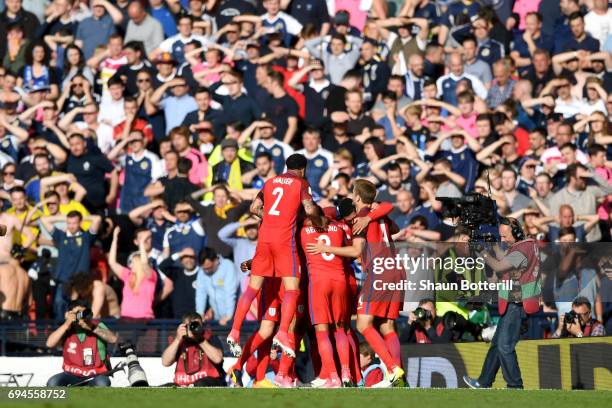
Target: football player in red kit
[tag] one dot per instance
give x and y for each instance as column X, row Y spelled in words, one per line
column 268, row 311
column 374, row 307
column 328, row 300
column 345, row 214
column 278, row 204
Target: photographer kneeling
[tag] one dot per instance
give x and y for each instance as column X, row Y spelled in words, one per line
column 197, row 353
column 578, row 322
column 85, row 348
column 426, row 327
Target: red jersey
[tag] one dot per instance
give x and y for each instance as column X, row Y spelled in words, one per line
column 324, row 265
column 297, row 96
column 348, row 237
column 282, row 198
column 138, row 124
column 378, row 239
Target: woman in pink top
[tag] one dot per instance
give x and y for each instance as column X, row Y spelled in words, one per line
column 467, row 119
column 179, row 137
column 138, row 281
column 208, row 72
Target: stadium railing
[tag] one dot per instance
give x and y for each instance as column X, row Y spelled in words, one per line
column 28, row 338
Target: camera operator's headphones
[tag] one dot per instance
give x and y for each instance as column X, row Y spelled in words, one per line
column 517, row 230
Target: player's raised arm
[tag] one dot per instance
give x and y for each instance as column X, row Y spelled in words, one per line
column 257, row 205
column 378, row 211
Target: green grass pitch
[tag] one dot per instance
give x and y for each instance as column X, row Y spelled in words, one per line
column 318, row 398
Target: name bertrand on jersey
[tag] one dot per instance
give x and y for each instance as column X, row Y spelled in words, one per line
column 313, row 230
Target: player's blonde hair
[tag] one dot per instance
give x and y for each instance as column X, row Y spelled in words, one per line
column 365, row 190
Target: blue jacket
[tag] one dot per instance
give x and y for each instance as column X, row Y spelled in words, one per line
column 218, row 290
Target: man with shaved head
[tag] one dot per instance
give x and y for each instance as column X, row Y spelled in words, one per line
column 447, row 84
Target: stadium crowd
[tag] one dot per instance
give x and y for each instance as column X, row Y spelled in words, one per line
column 135, row 134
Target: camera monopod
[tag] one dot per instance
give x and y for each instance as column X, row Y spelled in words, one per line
column 117, row 368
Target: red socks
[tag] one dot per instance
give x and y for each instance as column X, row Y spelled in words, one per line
column 284, row 365
column 263, row 358
column 243, row 306
column 377, row 343
column 354, row 362
column 315, row 357
column 328, row 366
column 344, row 351
column 288, row 307
column 251, row 345
column 393, row 345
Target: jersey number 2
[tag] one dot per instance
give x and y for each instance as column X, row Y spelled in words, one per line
column 278, row 192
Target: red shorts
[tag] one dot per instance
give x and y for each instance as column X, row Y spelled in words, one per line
column 386, row 310
column 276, row 260
column 328, row 301
column 270, row 300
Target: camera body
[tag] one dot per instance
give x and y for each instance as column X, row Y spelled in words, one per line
column 476, row 212
column 85, row 314
column 570, row 317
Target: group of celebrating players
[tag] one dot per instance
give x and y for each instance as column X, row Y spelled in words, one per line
column 302, row 269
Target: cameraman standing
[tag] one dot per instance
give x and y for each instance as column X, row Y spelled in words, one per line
column 85, row 344
column 426, row 327
column 519, row 264
column 578, row 322
column 197, row 353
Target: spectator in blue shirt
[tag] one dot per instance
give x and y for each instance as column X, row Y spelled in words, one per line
column 313, row 12
column 580, row 40
column 178, row 105
column 42, row 165
column 160, row 12
column 96, row 30
column 243, row 248
column 461, row 155
column 562, row 29
column 187, row 232
column 457, row 11
column 237, row 106
column 525, row 44
column 489, row 50
column 216, row 287
column 73, row 251
column 447, row 84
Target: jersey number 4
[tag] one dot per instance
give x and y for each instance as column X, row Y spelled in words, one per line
column 278, row 193
column 385, row 235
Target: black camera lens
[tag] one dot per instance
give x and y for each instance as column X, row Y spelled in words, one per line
column 196, row 327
